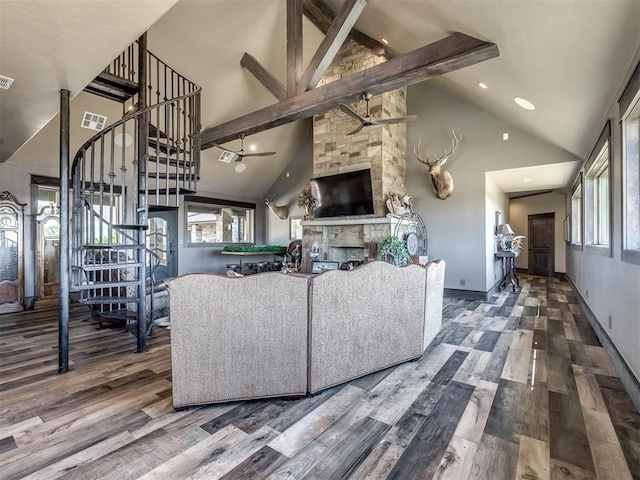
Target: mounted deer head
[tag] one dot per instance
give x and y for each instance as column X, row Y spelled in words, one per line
column 281, row 211
column 441, row 179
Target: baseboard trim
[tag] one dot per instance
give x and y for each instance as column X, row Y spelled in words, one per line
column 627, row 377
column 467, row 294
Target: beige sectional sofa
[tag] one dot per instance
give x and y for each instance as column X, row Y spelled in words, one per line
column 274, row 334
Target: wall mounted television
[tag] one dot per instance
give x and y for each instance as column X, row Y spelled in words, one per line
column 343, row 194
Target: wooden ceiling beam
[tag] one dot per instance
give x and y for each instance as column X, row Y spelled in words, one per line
column 322, row 15
column 263, row 75
column 294, row 45
column 333, row 40
column 444, row 56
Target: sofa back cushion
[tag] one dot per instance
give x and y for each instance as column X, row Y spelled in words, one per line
column 235, row 338
column 363, row 320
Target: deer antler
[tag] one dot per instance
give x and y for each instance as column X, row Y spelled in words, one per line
column 416, row 153
column 454, row 145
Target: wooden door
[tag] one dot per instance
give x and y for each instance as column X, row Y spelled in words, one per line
column 541, row 244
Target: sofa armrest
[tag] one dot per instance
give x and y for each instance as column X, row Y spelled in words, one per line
column 433, row 301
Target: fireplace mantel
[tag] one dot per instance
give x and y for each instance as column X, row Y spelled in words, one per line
column 334, row 222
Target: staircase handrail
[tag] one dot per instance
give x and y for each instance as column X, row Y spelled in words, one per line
column 123, row 120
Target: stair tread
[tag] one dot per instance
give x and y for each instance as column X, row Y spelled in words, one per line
column 112, row 86
column 170, row 191
column 119, row 314
column 130, row 226
column 108, row 266
column 108, row 299
column 173, row 176
column 114, row 246
column 163, row 147
column 154, row 132
column 171, row 161
column 92, row 285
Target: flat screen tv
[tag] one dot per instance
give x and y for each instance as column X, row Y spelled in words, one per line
column 343, row 194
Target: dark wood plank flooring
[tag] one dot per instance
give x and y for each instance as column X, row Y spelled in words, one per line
column 517, row 387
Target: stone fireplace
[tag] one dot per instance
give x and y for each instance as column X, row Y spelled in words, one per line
column 381, row 148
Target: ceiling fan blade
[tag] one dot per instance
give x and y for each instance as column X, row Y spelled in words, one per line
column 259, row 154
column 350, row 112
column 353, row 132
column 387, row 121
column 226, row 149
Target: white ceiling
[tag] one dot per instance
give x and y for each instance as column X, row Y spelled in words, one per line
column 568, row 57
column 46, row 46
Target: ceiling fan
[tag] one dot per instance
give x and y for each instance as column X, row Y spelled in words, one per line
column 241, row 153
column 367, row 121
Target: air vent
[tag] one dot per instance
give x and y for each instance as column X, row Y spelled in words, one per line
column 227, row 157
column 5, row 82
column 93, row 121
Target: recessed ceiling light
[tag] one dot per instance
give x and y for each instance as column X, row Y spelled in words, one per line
column 121, row 139
column 505, row 136
column 526, row 104
column 482, row 85
column 241, row 167
column 384, row 40
column 252, row 147
column 526, row 180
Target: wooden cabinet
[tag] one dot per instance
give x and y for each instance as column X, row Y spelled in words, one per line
column 11, row 253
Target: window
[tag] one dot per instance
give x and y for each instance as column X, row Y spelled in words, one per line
column 212, row 221
column 576, row 213
column 630, row 114
column 597, row 197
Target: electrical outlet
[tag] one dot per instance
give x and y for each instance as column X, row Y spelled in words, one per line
column 610, row 322
column 463, row 282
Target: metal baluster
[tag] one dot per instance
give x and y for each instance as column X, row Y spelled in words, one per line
column 101, row 189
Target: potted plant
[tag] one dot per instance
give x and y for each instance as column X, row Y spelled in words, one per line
column 307, row 201
column 394, row 251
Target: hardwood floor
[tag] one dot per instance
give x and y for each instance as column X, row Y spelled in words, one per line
column 517, row 387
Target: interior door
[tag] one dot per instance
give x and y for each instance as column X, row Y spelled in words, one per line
column 162, row 241
column 541, row 244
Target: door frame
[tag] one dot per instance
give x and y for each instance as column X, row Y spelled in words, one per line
column 170, row 216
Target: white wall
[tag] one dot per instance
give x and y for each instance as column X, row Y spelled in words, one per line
column 285, row 191
column 458, row 227
column 496, row 201
column 519, row 211
column 608, row 285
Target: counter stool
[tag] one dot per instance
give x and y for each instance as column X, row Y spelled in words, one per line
column 262, row 266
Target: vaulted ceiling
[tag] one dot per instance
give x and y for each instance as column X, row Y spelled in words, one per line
column 567, row 57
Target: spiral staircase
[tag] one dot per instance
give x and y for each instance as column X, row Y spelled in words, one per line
column 139, row 164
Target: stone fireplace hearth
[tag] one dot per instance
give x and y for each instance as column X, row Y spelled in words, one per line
column 351, row 240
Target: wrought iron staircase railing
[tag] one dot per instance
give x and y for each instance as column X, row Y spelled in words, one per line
column 149, row 158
